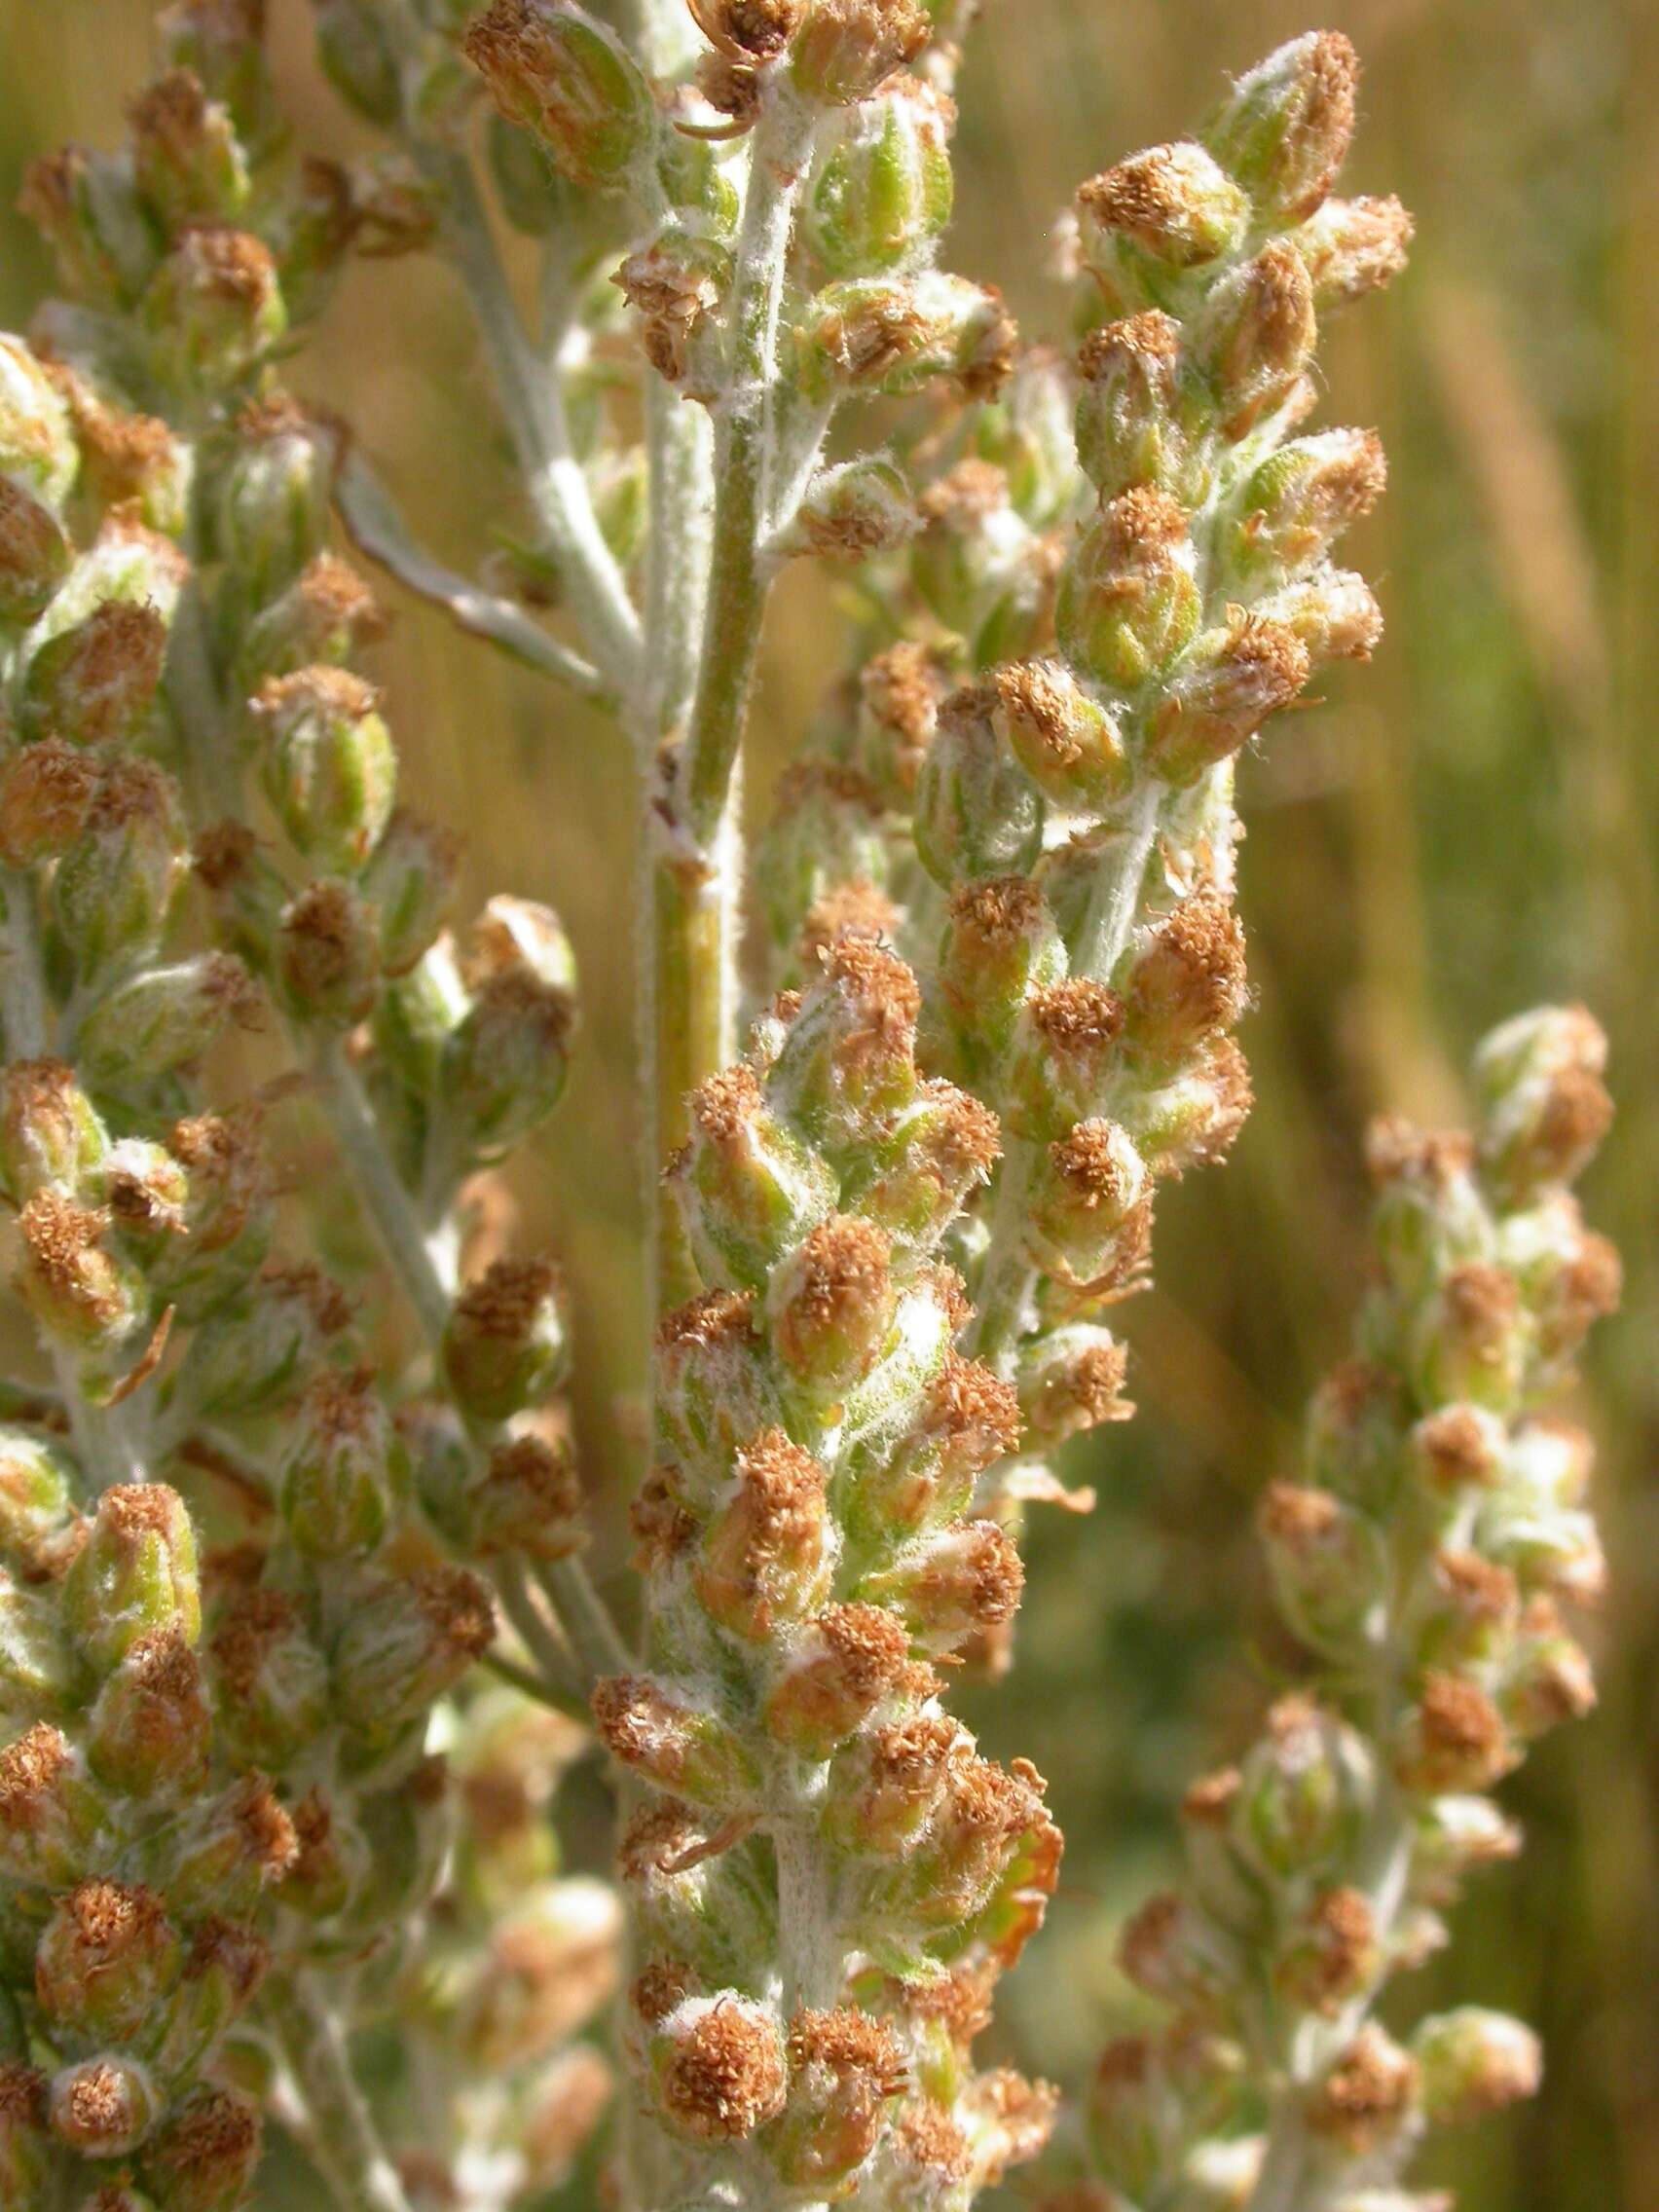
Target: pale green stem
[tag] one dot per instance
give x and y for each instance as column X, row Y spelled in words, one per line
column 340, row 2132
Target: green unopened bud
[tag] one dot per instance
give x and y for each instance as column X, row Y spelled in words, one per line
column 977, row 812
column 530, row 1502
column 37, row 1668
column 832, row 1305
column 224, row 1218
column 35, row 1494
column 213, row 308
column 1064, row 1055
column 29, row 2157
column 103, row 2107
column 714, row 1384
column 226, row 1851
column 343, row 1470
column 1299, row 502
column 272, row 504
column 1128, row 603
column 330, row 770
column 1154, row 217
column 1284, row 131
column 504, row 1065
column 567, row 77
column 962, row 1582
column 323, row 617
column 115, row 885
column 222, row 42
column 165, row 1019
column 835, row 1674
column 505, row 1345
column 1470, row 1339
column 1090, row 1192
column 1172, row 1951
column 944, row 1150
column 1545, row 1109
column 270, row 1679
column 354, row 46
column 80, row 1289
column 897, row 337
column 408, row 1642
column 1472, row 2062
column 827, row 833
column 882, row 191
column 848, row 1059
column 1127, row 427
column 847, row 48
column 107, row 1959
column 45, row 792
column 854, row 512
column 976, row 564
column 202, row 2156
column 1256, row 337
column 1353, row 246
column 134, row 1576
column 1000, row 944
column 254, row 1354
column 50, row 1131
column 37, row 441
column 409, row 880
column 1304, row 1792
column 1548, row 1677
column 842, row 2068
column 328, row 954
column 1066, row 742
column 1329, row 1563
column 85, row 207
column 35, row 553
column 749, row 1190
column 49, row 1811
column 1232, row 681
column 187, row 159
column 223, row 1969
column 150, row 1727
column 766, row 1556
column 96, row 681
column 1333, row 613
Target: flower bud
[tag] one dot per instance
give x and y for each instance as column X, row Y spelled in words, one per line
column 330, row 770
column 1227, row 688
column 1548, row 1679
column 1128, row 603
column 1297, row 504
column 344, row 1468
column 1329, row 1565
column 85, row 208
column 892, row 336
column 1071, row 1381
column 830, row 1306
column 1353, row 246
column 409, row 881
column 271, row 505
column 328, row 954
column 834, row 1677
column 35, row 553
column 1065, row 1052
column 848, row 1057
column 991, row 1855
column 323, row 617
column 1545, row 1109
column 1088, row 1203
column 887, row 1781
column 765, row 1559
column 95, row 681
column 45, row 792
column 408, row 1642
column 1471, row 2062
column 1469, row 1341
column 251, row 1356
column 749, row 1189
column 354, row 45
column 1186, row 981
column 530, row 1502
column 945, row 1150
column 164, row 1018
column 977, row 812
column 1255, row 336
column 202, row 2156
column 847, row 48
column 1155, row 217
column 962, row 1582
column 882, row 190
column 82, row 1293
column 1304, row 1793
column 213, row 308
column 128, row 460
column 1333, row 615
column 1172, row 1951
column 224, row 1851
column 225, row 1223
column 1066, row 742
column 675, row 282
column 1000, row 945
column 1365, row 2100
column 150, row 1727
column 37, row 442
column 270, row 1679
column 826, row 834
column 1284, row 131
column 504, row 1065
column 103, row 2107
column 717, row 2068
column 714, row 1384
column 852, row 512
column 134, row 1576
column 683, row 1748
column 187, row 161
column 50, row 1131
column 843, row 2067
column 35, row 1502
column 107, row 1961
column 1453, row 1739
column 1128, row 428
column 505, row 1344
column 568, row 78
column 28, row 2158
column 115, row 887
column 50, row 1813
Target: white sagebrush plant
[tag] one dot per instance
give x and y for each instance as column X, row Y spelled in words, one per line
column 295, row 1636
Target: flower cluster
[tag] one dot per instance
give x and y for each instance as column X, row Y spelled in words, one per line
column 1426, row 1562
column 828, row 1877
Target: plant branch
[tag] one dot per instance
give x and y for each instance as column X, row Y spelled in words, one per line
column 341, row 2133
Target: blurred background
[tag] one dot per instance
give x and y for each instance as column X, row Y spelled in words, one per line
column 1458, row 830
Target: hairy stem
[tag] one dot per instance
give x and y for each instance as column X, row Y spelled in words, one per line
column 341, row 2134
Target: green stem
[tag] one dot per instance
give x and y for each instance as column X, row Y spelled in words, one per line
column 340, row 2132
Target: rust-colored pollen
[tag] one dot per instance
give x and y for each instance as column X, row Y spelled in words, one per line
column 975, row 1410
column 1077, row 1016
column 640, row 1724
column 1462, row 1731
column 326, row 1303
column 22, row 2095
column 931, row 2140
column 1210, row 1801
column 227, row 1947
column 784, row 1484
column 214, row 2132
column 660, row 1988
column 251, row 1629
column 1395, row 1150
column 901, row 689
column 748, row 30
column 1147, row 197
column 93, row 2106
column 1149, row 342
column 725, row 1107
column 997, row 913
column 1477, row 1588
column 1366, row 2095
column 29, row 1769
column 1455, row 1449
column 657, row 1840
column 1324, row 117
column 865, row 1646
column 222, row 852
column 804, row 782
column 44, row 796
column 716, row 1319
column 507, row 1297
column 1296, row 1516
column 59, row 1233
column 876, row 980
column 532, row 1465
column 266, row 1826
column 1342, row 1926
column 965, row 496
column 847, row 2042
column 844, row 1267
column 725, row 2075
column 335, row 597
column 1482, row 1304
column 1191, row 974
column 233, row 264
column 859, row 908
column 1087, row 1160
column 457, row 1607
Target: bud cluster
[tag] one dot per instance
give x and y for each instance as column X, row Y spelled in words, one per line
column 826, row 1876
column 1427, row 1561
